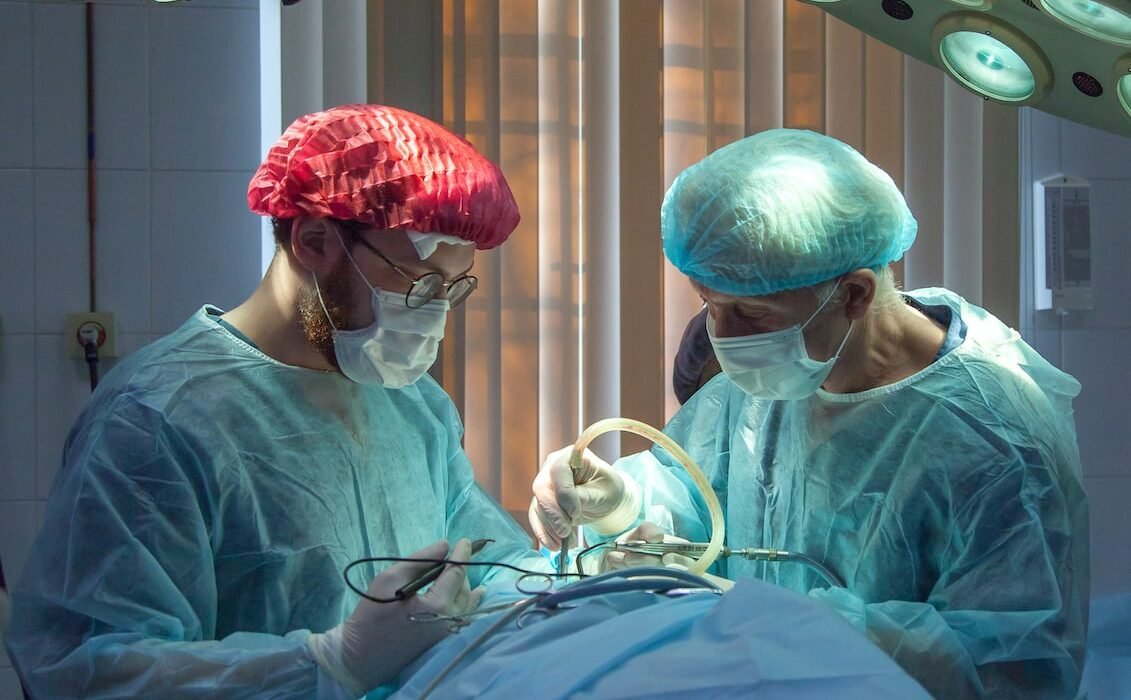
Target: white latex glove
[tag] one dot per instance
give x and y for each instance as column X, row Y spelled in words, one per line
column 678, row 561
column 648, row 532
column 645, row 532
column 595, row 494
column 378, row 640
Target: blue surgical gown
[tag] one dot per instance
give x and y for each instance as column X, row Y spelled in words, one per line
column 950, row 503
column 209, row 500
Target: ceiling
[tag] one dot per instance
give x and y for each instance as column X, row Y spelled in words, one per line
column 1071, row 58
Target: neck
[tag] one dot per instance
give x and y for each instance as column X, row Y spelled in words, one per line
column 886, row 346
column 270, row 316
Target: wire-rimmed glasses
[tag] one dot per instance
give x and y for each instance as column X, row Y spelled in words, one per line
column 425, row 287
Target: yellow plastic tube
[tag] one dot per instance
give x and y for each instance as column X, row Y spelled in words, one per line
column 718, row 528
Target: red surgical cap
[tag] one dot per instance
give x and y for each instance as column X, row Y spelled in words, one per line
column 386, row 167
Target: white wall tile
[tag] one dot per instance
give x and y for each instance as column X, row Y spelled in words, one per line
column 1045, row 136
column 1111, row 521
column 18, row 527
column 61, row 265
column 17, row 279
column 204, row 89
column 1098, row 359
column 59, row 60
column 17, row 417
column 62, row 389
column 128, row 344
column 121, row 81
column 205, row 244
column 15, row 85
column 122, row 248
column 1047, row 343
column 1091, row 153
column 1111, row 251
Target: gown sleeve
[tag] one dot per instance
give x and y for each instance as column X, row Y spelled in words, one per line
column 1007, row 616
column 473, row 514
column 118, row 598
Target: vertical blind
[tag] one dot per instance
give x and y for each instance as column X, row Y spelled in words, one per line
column 592, row 108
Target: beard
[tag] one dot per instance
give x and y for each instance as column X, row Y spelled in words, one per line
column 337, row 292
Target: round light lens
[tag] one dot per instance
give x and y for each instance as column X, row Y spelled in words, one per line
column 1092, row 18
column 1124, row 90
column 988, row 66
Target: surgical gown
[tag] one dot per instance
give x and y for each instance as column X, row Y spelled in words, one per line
column 209, row 500
column 950, row 503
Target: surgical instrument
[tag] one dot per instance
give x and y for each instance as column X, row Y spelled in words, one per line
column 696, row 549
column 659, row 581
column 433, row 573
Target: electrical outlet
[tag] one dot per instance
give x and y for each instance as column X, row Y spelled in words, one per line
column 98, row 327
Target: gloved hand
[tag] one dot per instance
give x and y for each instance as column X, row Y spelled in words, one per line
column 678, row 561
column 649, row 532
column 645, row 532
column 378, row 640
column 595, row 494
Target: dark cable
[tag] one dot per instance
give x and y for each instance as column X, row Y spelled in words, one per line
column 587, row 550
column 366, row 560
column 92, row 362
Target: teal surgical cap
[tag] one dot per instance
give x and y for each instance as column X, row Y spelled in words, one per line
column 782, row 209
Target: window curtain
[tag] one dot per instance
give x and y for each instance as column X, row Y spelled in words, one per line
column 592, row 107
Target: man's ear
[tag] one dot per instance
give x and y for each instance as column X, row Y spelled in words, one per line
column 860, row 291
column 316, row 244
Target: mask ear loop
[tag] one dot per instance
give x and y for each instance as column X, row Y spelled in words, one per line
column 346, row 250
column 318, row 293
column 851, row 324
column 318, row 290
column 824, row 303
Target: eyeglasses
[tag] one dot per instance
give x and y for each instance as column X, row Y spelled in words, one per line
column 425, row 288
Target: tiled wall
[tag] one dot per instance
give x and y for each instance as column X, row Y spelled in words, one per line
column 177, row 126
column 1095, row 346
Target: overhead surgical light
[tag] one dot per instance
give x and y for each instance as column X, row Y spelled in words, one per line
column 1123, row 83
column 991, row 58
column 1065, row 57
column 1100, row 19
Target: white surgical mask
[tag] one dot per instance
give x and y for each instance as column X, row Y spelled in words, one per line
column 774, row 365
column 398, row 347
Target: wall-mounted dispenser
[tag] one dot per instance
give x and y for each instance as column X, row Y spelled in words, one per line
column 1062, row 244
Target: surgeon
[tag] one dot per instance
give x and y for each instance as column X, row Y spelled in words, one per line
column 222, row 478
column 695, row 361
column 909, row 442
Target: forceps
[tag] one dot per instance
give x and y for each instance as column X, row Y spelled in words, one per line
column 659, row 549
column 460, row 620
column 696, row 549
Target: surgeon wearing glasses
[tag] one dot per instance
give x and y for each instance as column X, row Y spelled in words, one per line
column 222, row 478
column 908, row 441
